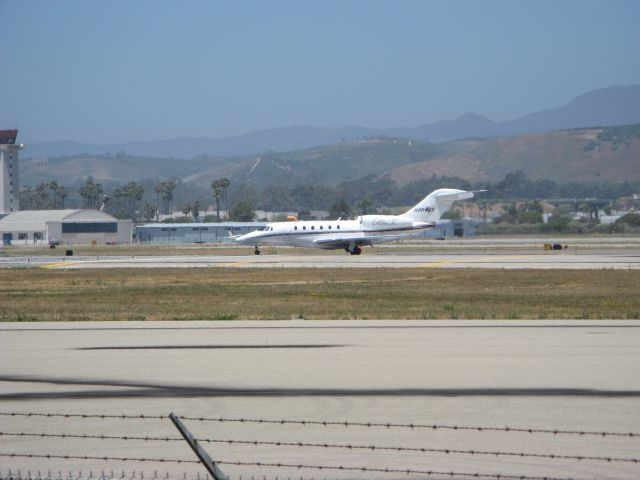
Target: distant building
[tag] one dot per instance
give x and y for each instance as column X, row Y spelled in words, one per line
column 221, row 232
column 464, row 227
column 64, row 227
column 9, row 173
column 193, row 232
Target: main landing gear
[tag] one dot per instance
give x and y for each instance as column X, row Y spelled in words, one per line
column 355, row 250
column 256, row 251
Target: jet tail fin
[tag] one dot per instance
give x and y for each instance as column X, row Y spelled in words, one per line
column 431, row 208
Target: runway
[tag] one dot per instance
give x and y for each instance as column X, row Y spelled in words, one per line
column 604, row 252
column 549, row 375
column 549, row 260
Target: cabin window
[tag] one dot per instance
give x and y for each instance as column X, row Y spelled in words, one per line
column 312, row 227
column 329, row 227
column 295, row 228
column 320, row 227
column 338, row 227
column 304, row 228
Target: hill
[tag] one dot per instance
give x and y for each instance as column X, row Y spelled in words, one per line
column 617, row 105
column 587, row 155
column 611, row 154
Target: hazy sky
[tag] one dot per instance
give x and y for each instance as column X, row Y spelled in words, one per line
column 120, row 70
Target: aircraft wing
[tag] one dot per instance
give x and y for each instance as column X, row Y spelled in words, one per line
column 342, row 241
column 359, row 240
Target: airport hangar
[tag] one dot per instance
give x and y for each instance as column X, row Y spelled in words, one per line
column 193, row 232
column 64, row 227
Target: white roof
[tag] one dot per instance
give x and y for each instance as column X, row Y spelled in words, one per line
column 36, row 220
column 194, row 225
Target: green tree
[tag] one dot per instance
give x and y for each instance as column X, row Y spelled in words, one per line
column 556, row 223
column 91, row 193
column 242, row 212
column 195, row 209
column 630, row 219
column 62, row 193
column 28, row 199
column 42, row 200
column 186, row 210
column 224, row 185
column 340, row 209
column 305, row 215
column 53, row 186
column 159, row 189
column 365, row 206
column 217, row 188
column 149, row 211
column 530, row 216
column 167, row 194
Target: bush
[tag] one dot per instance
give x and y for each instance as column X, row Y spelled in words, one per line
column 630, row 218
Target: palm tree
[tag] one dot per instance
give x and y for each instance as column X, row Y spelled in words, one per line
column 53, row 186
column 159, row 188
column 62, row 193
column 224, row 184
column 217, row 193
column 90, row 192
column 171, row 186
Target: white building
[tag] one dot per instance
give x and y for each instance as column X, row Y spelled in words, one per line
column 9, row 179
column 193, row 232
column 63, row 227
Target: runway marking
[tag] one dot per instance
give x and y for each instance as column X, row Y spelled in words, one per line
column 478, row 260
column 59, row 264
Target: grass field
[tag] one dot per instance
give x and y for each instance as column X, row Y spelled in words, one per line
column 228, row 294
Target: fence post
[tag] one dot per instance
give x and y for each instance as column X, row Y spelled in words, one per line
column 202, row 455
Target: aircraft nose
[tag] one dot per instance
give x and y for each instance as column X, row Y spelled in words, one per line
column 246, row 237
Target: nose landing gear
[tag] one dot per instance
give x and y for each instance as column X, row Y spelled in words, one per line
column 256, row 251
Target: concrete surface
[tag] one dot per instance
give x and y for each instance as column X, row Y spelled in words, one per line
column 575, row 375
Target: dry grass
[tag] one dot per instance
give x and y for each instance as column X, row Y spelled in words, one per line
column 223, row 294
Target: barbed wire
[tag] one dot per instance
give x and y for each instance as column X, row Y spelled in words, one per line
column 342, row 468
column 411, row 426
column 372, row 448
column 93, row 436
column 327, row 423
column 57, row 474
column 35, row 474
column 91, row 457
column 408, row 471
column 85, row 416
column 18, row 474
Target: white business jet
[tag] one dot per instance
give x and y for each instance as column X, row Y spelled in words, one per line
column 353, row 234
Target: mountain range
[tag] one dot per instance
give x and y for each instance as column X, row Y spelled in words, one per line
column 588, row 155
column 616, row 105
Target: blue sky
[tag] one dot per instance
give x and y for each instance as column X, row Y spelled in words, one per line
column 119, row 71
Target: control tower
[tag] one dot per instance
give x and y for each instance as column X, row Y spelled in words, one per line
column 9, row 174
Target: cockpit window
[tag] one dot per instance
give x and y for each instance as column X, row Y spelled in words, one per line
column 263, row 229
